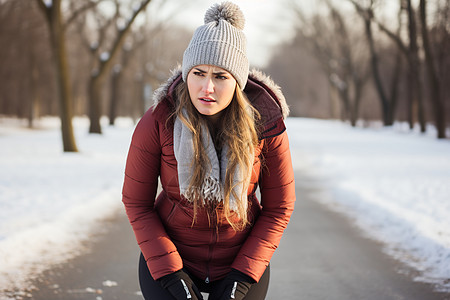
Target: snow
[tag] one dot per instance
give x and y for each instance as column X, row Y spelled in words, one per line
column 393, row 184
column 50, row 201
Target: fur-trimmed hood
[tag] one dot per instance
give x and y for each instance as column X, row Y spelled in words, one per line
column 264, row 94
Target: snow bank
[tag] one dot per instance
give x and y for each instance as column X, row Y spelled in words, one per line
column 394, row 185
column 50, row 201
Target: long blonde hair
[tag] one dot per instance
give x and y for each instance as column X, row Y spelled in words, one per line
column 238, row 130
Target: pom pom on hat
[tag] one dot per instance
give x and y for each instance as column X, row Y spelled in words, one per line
column 226, row 11
column 220, row 42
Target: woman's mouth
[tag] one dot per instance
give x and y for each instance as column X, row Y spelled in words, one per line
column 207, row 99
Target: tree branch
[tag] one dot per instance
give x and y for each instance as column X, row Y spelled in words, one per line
column 121, row 36
column 79, row 11
column 368, row 15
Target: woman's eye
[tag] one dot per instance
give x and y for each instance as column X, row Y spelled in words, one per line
column 198, row 73
column 222, row 77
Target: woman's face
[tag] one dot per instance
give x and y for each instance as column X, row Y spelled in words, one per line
column 211, row 89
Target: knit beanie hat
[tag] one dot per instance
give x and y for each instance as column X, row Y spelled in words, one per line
column 220, row 42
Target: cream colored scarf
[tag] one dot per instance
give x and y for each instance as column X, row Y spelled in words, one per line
column 212, row 188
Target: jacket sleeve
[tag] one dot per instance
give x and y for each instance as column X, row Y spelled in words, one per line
column 138, row 195
column 277, row 188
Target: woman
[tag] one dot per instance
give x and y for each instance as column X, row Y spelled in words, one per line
column 214, row 134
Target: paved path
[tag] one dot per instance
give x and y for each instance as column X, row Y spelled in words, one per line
column 321, row 257
column 107, row 271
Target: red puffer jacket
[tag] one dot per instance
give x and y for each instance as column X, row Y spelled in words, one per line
column 209, row 247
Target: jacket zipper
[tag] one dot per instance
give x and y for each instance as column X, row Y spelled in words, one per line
column 212, row 244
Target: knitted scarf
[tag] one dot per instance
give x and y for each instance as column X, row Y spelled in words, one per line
column 212, row 188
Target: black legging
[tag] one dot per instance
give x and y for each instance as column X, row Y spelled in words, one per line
column 152, row 290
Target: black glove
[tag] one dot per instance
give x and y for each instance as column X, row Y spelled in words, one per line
column 234, row 286
column 180, row 286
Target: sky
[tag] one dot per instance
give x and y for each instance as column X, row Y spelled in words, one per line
column 268, row 23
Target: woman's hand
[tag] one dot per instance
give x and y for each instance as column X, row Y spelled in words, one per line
column 234, row 286
column 180, row 286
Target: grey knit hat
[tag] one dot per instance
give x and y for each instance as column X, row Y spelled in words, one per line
column 220, row 42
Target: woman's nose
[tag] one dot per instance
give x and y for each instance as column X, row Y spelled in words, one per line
column 208, row 86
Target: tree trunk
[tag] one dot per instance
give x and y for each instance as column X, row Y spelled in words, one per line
column 393, row 96
column 385, row 108
column 94, row 104
column 115, row 82
column 64, row 91
column 414, row 69
column 435, row 87
column 347, row 111
column 35, row 91
column 357, row 100
column 57, row 42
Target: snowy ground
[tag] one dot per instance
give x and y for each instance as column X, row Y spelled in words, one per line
column 394, row 185
column 50, row 200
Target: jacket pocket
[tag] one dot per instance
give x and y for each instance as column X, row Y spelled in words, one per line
column 165, row 207
column 180, row 216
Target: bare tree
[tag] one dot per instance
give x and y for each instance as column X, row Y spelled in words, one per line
column 439, row 34
column 128, row 53
column 24, row 60
column 332, row 45
column 415, row 87
column 411, row 52
column 387, row 100
column 105, row 62
column 52, row 11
